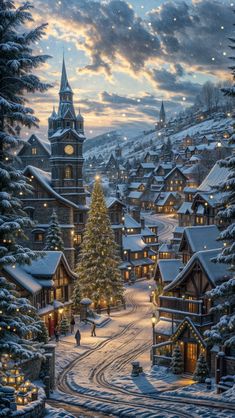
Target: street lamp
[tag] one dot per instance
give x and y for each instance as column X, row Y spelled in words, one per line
column 154, row 320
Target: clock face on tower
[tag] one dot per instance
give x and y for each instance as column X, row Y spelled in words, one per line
column 69, row 150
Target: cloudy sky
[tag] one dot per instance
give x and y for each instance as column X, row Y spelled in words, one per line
column 124, row 57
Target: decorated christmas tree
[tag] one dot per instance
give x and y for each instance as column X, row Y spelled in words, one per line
column 64, row 326
column 54, row 241
column 201, row 371
column 97, row 269
column 17, row 66
column 177, row 365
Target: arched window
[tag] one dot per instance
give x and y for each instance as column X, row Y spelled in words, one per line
column 68, row 172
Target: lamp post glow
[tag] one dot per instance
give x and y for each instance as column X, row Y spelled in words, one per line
column 154, row 320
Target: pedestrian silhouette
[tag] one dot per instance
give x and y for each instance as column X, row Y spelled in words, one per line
column 57, row 334
column 78, row 337
column 93, row 334
column 108, row 310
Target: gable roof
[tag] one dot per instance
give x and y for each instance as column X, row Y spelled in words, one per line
column 133, row 243
column 216, row 176
column 63, row 132
column 38, row 274
column 164, row 196
column 130, row 222
column 172, row 171
column 185, row 208
column 215, row 272
column 44, row 179
column 201, row 237
column 169, row 269
column 187, row 323
column 45, row 145
column 110, row 201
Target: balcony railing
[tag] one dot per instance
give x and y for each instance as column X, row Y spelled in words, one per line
column 178, row 308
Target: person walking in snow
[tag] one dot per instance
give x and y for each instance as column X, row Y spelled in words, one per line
column 93, row 334
column 57, row 334
column 72, row 324
column 108, row 310
column 78, row 337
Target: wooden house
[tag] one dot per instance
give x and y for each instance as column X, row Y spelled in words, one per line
column 184, row 310
column 47, row 282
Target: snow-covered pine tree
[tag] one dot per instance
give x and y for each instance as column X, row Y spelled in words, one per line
column 97, row 269
column 17, row 322
column 54, row 240
column 76, row 297
column 42, row 335
column 223, row 333
column 177, row 365
column 201, row 371
column 16, row 78
column 64, row 326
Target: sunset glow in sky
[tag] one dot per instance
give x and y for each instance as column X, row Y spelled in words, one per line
column 123, row 57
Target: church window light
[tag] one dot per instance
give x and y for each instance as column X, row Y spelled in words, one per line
column 68, row 172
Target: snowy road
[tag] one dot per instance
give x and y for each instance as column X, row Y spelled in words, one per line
column 166, row 224
column 98, row 377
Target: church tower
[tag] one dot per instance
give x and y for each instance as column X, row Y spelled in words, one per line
column 66, row 135
column 162, row 117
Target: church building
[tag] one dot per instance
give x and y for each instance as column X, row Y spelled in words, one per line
column 61, row 187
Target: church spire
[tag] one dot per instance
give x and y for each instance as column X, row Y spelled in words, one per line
column 64, row 84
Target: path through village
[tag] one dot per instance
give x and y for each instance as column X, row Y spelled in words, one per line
column 97, row 375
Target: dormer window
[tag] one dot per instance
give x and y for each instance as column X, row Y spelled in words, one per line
column 68, row 172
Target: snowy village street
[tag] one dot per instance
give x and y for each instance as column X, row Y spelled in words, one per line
column 97, row 375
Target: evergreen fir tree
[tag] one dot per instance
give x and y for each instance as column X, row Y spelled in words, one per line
column 201, row 371
column 16, row 79
column 64, row 326
column 76, row 297
column 177, row 365
column 97, row 269
column 54, row 241
column 17, row 322
column 42, row 335
column 223, row 295
column 16, row 65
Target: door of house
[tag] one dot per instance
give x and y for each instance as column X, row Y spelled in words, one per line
column 190, row 357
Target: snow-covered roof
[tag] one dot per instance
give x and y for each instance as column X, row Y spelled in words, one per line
column 186, row 207
column 46, row 265
column 216, row 176
column 215, row 272
column 63, row 132
column 149, row 166
column 130, row 222
column 166, row 248
column 142, row 262
column 161, row 201
column 135, row 185
column 135, row 195
column 23, row 279
column 146, row 232
column 133, row 243
column 169, row 269
column 165, row 327
column 201, row 237
column 172, row 171
column 110, row 201
column 44, row 178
